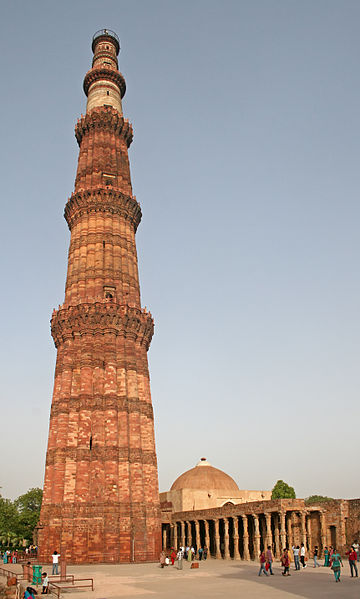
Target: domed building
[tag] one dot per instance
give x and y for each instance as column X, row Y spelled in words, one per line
column 206, row 487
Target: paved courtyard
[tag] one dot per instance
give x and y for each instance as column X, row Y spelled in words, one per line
column 213, row 579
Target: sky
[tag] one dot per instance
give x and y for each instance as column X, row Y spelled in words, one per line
column 245, row 163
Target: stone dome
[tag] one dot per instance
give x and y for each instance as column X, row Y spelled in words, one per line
column 205, row 477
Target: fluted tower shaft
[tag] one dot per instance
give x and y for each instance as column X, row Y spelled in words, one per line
column 101, row 500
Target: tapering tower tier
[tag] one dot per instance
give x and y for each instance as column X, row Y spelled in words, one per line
column 101, row 499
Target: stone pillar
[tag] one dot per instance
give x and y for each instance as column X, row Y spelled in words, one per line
column 183, row 541
column 308, row 527
column 282, row 530
column 268, row 538
column 294, row 528
column 343, row 517
column 256, row 536
column 217, row 539
column 278, row 538
column 236, row 538
column 175, row 539
column 189, row 534
column 289, row 531
column 322, row 531
column 197, row 535
column 246, row 538
column 226, row 539
column 171, row 534
column 303, row 527
column 207, row 538
column 164, row 538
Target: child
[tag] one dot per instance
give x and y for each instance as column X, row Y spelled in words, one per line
column 30, row 593
column 45, row 584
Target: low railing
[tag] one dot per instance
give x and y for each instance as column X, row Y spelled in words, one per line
column 11, row 574
column 106, row 32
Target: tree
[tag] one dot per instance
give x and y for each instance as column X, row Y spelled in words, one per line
column 28, row 508
column 8, row 519
column 282, row 490
column 316, row 499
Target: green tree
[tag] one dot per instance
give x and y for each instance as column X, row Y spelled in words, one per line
column 282, row 490
column 28, row 509
column 8, row 520
column 316, row 499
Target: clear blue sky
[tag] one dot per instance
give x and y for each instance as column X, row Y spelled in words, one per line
column 245, row 161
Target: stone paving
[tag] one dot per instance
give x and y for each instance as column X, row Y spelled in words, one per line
column 213, row 579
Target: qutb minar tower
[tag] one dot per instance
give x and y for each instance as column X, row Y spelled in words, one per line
column 101, row 499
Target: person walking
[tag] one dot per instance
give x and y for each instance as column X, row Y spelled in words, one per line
column 173, row 556
column 326, row 557
column 262, row 564
column 162, row 559
column 269, row 559
column 302, row 555
column 316, row 553
column 200, row 553
column 352, row 556
column 205, row 553
column 336, row 563
column 179, row 558
column 296, row 552
column 285, row 561
column 356, row 548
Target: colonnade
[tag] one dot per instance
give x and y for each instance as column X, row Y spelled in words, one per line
column 243, row 536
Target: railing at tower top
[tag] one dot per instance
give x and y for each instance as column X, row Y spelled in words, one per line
column 105, row 32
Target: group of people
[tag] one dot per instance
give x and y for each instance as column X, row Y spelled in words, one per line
column 332, row 559
column 184, row 553
column 10, row 557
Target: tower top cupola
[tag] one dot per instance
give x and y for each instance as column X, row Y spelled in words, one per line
column 104, row 85
column 104, row 35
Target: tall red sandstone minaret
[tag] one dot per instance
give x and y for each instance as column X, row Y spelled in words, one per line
column 101, row 500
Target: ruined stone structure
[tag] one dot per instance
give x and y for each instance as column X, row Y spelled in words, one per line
column 241, row 529
column 101, row 498
column 205, row 487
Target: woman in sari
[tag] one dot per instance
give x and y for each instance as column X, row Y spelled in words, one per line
column 336, row 563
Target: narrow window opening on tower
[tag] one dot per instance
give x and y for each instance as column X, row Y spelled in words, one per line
column 103, row 244
column 90, row 443
column 108, row 93
column 109, row 292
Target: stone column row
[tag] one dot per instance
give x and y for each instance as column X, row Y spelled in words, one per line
column 276, row 529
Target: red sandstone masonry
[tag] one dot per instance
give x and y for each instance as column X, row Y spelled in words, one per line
column 101, row 501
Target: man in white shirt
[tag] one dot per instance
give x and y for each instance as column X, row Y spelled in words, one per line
column 55, row 561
